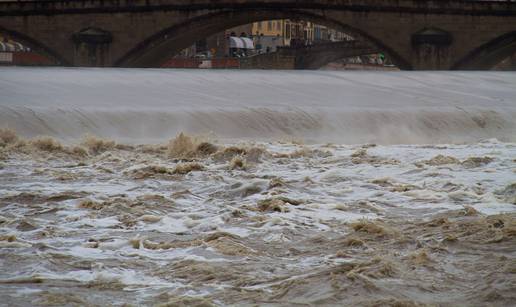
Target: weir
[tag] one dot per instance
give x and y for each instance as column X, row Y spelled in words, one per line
column 322, row 106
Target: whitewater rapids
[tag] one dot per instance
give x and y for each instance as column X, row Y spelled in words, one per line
column 285, row 189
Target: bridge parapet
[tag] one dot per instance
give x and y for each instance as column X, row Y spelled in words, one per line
column 56, row 7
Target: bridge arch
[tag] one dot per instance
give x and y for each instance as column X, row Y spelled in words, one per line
column 489, row 54
column 35, row 45
column 158, row 47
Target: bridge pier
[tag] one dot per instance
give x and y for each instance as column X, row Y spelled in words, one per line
column 92, row 47
column 431, row 49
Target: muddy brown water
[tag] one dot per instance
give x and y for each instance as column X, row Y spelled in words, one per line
column 265, row 200
column 290, row 225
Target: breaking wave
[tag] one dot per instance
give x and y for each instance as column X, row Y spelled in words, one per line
column 352, row 126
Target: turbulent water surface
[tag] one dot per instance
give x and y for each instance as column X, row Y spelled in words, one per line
column 286, row 188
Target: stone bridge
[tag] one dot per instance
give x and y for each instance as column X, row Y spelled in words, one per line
column 415, row 34
column 318, row 55
column 308, row 57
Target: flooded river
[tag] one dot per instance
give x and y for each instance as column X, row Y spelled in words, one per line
column 131, row 187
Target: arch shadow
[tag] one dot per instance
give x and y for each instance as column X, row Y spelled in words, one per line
column 489, row 54
column 35, row 45
column 160, row 46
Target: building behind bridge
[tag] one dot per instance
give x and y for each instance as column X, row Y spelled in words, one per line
column 267, row 37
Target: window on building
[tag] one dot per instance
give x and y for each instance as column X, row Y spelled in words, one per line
column 287, row 31
column 269, row 26
column 260, row 25
column 278, row 25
